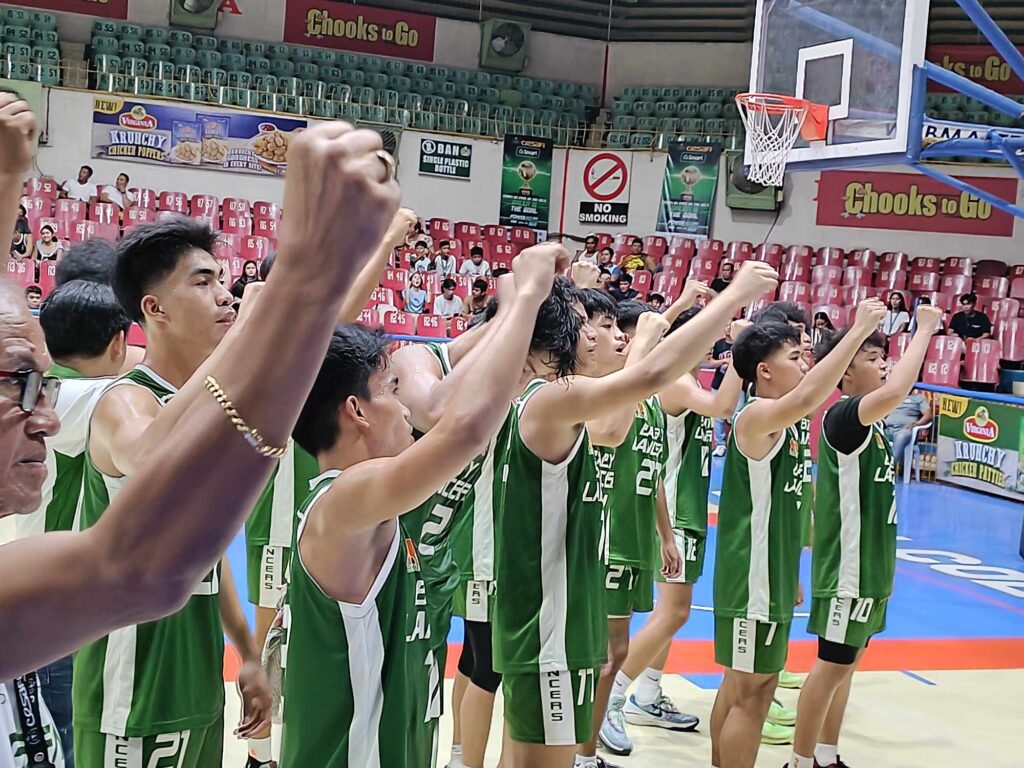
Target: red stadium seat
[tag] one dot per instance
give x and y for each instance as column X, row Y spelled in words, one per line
column 955, row 283
column 669, row 284
column 227, row 247
column 945, row 348
column 792, row 291
column 711, row 249
column 981, row 361
column 830, row 257
column 71, row 210
column 990, row 268
column 235, row 206
column 144, row 198
column 852, row 295
column 739, row 251
column 856, row 276
column 432, row 326
column 266, row 228
column 523, row 236
column 1017, row 288
column 681, row 245
column 676, row 264
column 47, row 277
column 758, row 304
column 1011, row 337
column 204, row 205
column 492, row 285
column 1016, row 271
column 997, row 287
column 400, row 323
column 924, row 264
column 864, row 258
column 440, row 229
column 80, row 231
column 242, row 225
column 172, row 201
column 105, row 230
column 495, row 233
column 463, row 286
column 623, row 239
column 368, row 317
column 824, row 274
column 254, row 247
column 796, row 271
column 921, row 282
column 958, row 266
column 381, row 295
column 948, row 302
column 835, row 313
column 770, row 253
column 466, row 230
column 898, row 345
column 826, row 294
column 395, row 279
column 942, row 373
column 134, row 216
column 1003, row 309
column 22, row 273
column 642, row 280
column 432, row 283
column 891, row 278
column 800, row 254
column 261, row 209
column 37, row 206
column 604, row 240
column 40, row 186
column 703, row 269
column 502, row 255
column 457, row 326
column 136, row 336
column 656, row 246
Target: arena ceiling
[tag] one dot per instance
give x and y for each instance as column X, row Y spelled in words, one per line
column 680, row 20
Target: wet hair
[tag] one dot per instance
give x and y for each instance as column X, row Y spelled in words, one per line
column 756, row 343
column 557, row 330
column 684, row 317
column 876, row 340
column 598, row 303
column 782, row 312
column 629, row 314
column 353, row 356
column 150, row 252
column 81, row 318
column 89, row 260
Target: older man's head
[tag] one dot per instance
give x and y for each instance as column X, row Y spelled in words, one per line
column 22, row 447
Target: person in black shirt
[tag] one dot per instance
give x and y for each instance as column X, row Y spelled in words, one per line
column 969, row 324
column 725, row 271
column 622, row 290
column 721, row 354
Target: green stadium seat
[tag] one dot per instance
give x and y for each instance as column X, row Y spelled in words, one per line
column 134, row 66
column 316, row 107
column 205, row 43
column 354, row 77
column 394, row 67
column 668, row 125
column 616, row 140
column 254, row 48
column 232, row 61
column 264, row 82
column 490, row 95
column 371, row 63
column 665, row 108
column 688, row 109
column 279, row 52
column 447, row 123
column 215, row 76
column 188, row 73
column 578, row 106
column 364, row 95
column 641, row 141
column 643, row 108
column 160, row 52
column 460, row 76
column 195, row 92
column 511, row 98
column 100, row 45
column 624, row 123
column 140, row 86
column 167, row 88
column 436, row 72
column 231, row 45
column 287, row 103
column 628, row 95
column 45, row 37
column 693, row 94
column 133, row 48
column 719, row 95
column 533, row 100
column 16, row 34
column 282, row 67
column 467, row 91
column 388, row 98
column 307, row 70
column 480, row 109
column 262, row 100
column 289, row 86
column 979, row 117
column 522, row 84
column 110, row 82
column 730, row 112
column 375, row 114
column 258, row 65
column 711, row 109
column 425, row 121
column 100, row 28
column 522, row 120
column 480, row 79
column 17, row 51
column 208, row 58
column 377, row 80
column 348, row 61
column 650, row 93
column 502, row 119
column 501, row 82
column 339, row 92
column 566, row 90
column 129, row 31
column 649, row 124
column 588, row 93
column 324, row 57
column 473, row 126
column 184, row 37
column 399, row 83
column 716, row 127
column 181, row 54
column 331, row 73
column 43, row 20
column 556, row 103
column 434, row 103
column 109, row 63
column 303, row 53
column 446, row 88
column 45, row 54
column 423, row 86
column 17, row 17
column 410, row 101
column 239, row 79
column 49, row 74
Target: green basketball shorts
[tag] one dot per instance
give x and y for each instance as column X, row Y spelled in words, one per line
column 198, row 748
column 847, row 620
column 691, row 551
column 628, row 590
column 553, row 708
column 474, row 600
column 746, row 645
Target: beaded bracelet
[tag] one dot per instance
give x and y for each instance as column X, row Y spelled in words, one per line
column 252, row 437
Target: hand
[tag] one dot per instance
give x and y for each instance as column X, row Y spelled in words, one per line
column 535, row 268
column 17, row 131
column 753, row 280
column 337, row 191
column 506, row 288
column 585, row 275
column 736, row 327
column 671, row 562
column 250, row 298
column 651, row 328
column 692, row 291
column 254, row 688
column 929, row 318
column 401, row 225
column 870, row 313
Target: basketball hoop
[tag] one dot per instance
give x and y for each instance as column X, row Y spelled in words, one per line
column 773, row 122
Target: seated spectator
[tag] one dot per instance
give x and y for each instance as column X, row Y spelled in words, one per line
column 80, row 189
column 606, row 261
column 445, row 264
column 415, row 295
column 478, row 299
column 476, row 266
column 250, row 274
column 914, row 411
column 421, row 259
column 21, row 240
column 33, row 296
column 605, row 280
column 588, row 254
column 725, row 272
column 622, row 289
column 823, row 328
column 636, row 258
column 897, row 318
column 447, row 304
column 119, row 194
column 48, row 247
column 416, row 234
column 969, row 324
column 657, row 301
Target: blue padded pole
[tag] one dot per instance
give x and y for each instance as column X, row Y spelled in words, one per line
column 1009, row 149
column 963, row 186
column 995, row 35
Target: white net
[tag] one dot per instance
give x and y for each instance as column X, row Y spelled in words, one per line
column 772, row 127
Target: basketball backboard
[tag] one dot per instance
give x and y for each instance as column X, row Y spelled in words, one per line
column 856, row 56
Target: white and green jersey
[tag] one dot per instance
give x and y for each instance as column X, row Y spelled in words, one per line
column 855, row 516
column 637, row 468
column 549, row 612
column 164, row 676
column 12, row 740
column 65, row 455
column 688, row 470
column 362, row 687
column 272, row 521
column 757, row 560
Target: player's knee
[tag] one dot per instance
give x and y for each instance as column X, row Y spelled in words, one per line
column 486, row 678
column 678, row 615
column 836, row 655
column 466, row 660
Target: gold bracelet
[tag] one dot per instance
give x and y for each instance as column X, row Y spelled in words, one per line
column 252, row 437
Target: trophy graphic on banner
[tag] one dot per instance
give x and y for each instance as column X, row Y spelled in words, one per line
column 526, row 170
column 690, row 176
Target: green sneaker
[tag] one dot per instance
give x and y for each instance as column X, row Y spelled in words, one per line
column 781, row 715
column 789, row 679
column 776, row 734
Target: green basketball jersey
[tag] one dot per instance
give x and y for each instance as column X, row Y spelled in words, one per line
column 362, row 688
column 549, row 612
column 807, row 494
column 272, row 520
column 855, row 519
column 636, row 470
column 688, row 470
column 757, row 561
column 164, row 676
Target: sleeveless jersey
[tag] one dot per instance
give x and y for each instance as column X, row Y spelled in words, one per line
column 272, row 520
column 164, row 676
column 688, row 470
column 757, row 561
column 807, row 493
column 362, row 689
column 549, row 612
column 855, row 519
column 636, row 470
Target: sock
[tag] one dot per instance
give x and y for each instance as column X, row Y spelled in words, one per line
column 648, row 687
column 584, row 762
column 259, row 749
column 800, row 762
column 455, row 761
column 826, row 754
column 621, row 684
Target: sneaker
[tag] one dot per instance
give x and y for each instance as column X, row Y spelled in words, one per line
column 776, row 734
column 254, row 763
column 662, row 713
column 719, row 452
column 613, row 729
column 781, row 715
column 602, row 763
column 837, row 764
column 789, row 679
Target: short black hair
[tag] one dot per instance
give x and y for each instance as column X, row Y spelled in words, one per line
column 480, row 283
column 443, row 243
column 487, row 315
column 625, row 277
column 150, row 252
column 782, row 312
column 88, row 168
column 557, row 330
column 267, row 264
column 657, row 296
column 684, row 317
column 33, row 289
column 757, row 342
column 92, row 259
column 499, row 271
column 830, row 340
column 629, row 313
column 636, row 240
column 591, row 238
column 969, row 298
column 81, row 318
column 447, row 283
column 353, row 356
column 476, row 250
column 421, row 242
column 598, row 303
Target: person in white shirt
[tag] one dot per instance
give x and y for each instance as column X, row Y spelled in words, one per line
column 447, row 304
column 118, row 194
column 421, row 259
column 476, row 266
column 897, row 318
column 81, row 188
column 588, row 255
column 445, row 261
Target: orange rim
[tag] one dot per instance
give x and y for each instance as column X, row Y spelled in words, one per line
column 815, row 123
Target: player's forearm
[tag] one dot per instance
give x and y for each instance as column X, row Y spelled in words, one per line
column 611, row 429
column 442, row 393
column 236, row 626
column 900, row 382
column 368, row 279
column 728, row 394
column 664, row 520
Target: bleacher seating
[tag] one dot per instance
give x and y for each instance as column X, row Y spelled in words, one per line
column 652, row 116
column 30, row 46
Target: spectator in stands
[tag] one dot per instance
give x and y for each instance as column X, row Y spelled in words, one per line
column 622, row 289
column 823, row 328
column 914, row 411
column 913, row 323
column 250, row 274
column 421, row 259
column 447, row 304
column 81, row 188
column 657, row 301
column 636, row 258
column 416, row 234
column 90, row 260
column 588, row 254
column 118, row 194
column 33, row 296
column 897, row 318
column 476, row 266
column 968, row 323
column 48, row 247
column 725, row 271
column 721, row 357
column 445, row 263
column 21, row 241
column 415, row 295
column 478, row 298
column 606, row 260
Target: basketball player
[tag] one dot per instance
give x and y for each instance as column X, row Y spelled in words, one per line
column 363, row 687
column 758, row 555
column 855, row 532
column 550, row 624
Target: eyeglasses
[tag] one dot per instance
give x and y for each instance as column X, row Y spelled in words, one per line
column 31, row 384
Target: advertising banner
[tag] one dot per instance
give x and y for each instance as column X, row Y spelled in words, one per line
column 979, row 445
column 912, row 202
column 979, row 63
column 688, row 190
column 166, row 134
column 111, row 9
column 526, row 182
column 450, row 159
column 606, row 179
column 401, row 34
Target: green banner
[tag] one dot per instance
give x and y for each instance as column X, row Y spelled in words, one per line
column 451, row 159
column 526, row 182
column 688, row 192
column 980, row 445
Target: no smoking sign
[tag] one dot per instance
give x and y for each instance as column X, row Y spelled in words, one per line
column 606, row 183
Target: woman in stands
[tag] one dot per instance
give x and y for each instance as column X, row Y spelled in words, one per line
column 823, row 328
column 897, row 318
column 48, row 247
column 250, row 274
column 415, row 295
column 21, row 241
